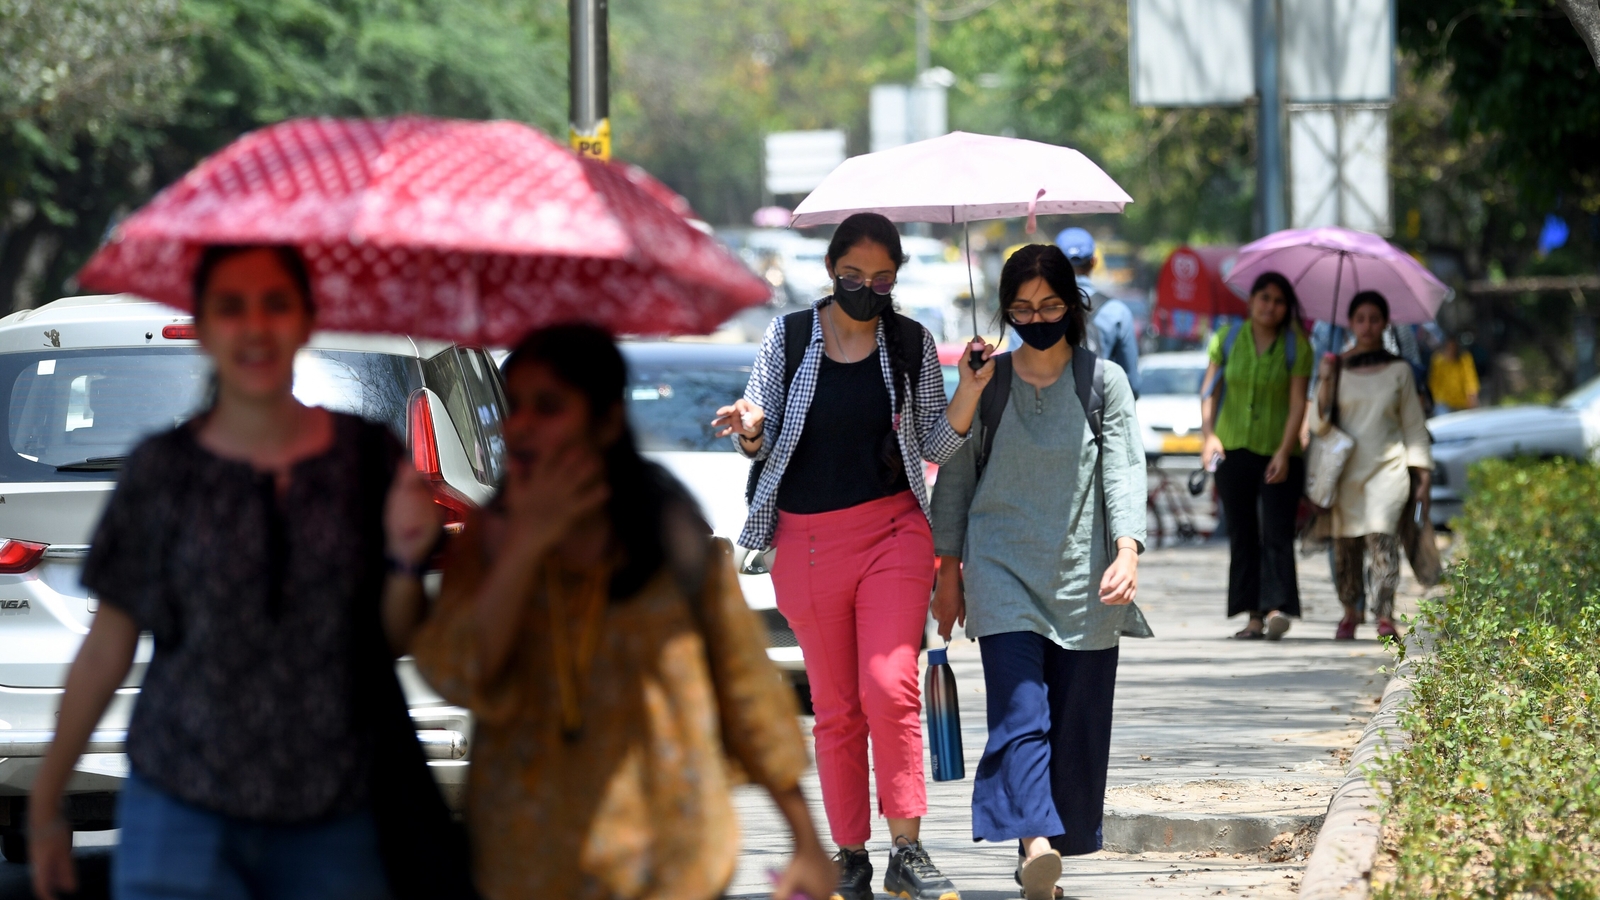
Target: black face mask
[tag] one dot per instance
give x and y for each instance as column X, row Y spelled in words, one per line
column 862, row 304
column 1042, row 335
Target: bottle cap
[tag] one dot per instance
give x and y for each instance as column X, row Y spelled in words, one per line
column 936, row 657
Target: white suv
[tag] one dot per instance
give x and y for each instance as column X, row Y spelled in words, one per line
column 82, row 380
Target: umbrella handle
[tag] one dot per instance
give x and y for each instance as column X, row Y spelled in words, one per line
column 974, row 357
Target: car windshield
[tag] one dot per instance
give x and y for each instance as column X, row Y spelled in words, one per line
column 76, row 414
column 671, row 406
column 1162, row 380
column 1587, row 394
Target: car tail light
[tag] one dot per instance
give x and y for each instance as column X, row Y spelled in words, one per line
column 17, row 557
column 424, row 443
column 179, row 333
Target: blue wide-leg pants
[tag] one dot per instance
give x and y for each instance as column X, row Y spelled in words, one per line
column 1043, row 772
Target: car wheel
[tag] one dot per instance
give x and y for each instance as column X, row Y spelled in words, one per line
column 14, row 847
column 802, row 693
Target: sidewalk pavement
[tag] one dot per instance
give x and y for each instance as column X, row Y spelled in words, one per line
column 1192, row 706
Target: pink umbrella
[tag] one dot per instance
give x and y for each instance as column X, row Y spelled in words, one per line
column 473, row 232
column 1328, row 266
column 960, row 178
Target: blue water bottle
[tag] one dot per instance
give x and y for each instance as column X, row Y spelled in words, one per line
column 944, row 719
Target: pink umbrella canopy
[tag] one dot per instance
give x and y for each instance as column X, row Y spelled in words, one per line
column 1329, row 266
column 474, row 232
column 963, row 177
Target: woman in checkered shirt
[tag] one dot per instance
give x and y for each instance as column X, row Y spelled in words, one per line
column 844, row 402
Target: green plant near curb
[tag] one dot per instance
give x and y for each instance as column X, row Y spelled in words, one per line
column 1498, row 792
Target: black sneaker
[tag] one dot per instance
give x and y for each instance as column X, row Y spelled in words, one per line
column 913, row 876
column 855, row 875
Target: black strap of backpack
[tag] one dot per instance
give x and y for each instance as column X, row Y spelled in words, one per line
column 991, row 406
column 796, row 338
column 1089, row 382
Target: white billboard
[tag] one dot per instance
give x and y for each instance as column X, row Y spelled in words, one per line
column 1339, row 167
column 1190, row 52
column 797, row 161
column 1337, row 51
column 902, row 114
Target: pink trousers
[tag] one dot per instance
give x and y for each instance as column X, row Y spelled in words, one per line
column 854, row 585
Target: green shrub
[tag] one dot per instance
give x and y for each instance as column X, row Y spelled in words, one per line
column 1498, row 793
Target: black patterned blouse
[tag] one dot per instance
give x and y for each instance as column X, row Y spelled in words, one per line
column 258, row 603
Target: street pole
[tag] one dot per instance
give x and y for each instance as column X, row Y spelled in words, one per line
column 1271, row 211
column 588, row 79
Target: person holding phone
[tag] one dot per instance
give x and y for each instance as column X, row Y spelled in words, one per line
column 1252, row 405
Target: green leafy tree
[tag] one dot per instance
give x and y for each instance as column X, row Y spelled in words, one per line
column 85, row 82
column 1522, row 84
column 165, row 82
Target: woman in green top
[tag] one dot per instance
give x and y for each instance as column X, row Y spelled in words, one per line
column 1251, row 417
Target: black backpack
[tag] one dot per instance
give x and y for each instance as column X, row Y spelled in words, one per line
column 797, row 337
column 1089, row 379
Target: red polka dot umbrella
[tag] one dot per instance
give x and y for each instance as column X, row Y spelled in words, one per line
column 474, row 232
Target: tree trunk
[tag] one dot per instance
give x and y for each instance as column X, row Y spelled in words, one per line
column 14, row 250
column 1585, row 16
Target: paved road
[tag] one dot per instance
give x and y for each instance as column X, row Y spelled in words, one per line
column 1191, row 704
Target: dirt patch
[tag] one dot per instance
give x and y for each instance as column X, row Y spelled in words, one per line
column 1225, row 797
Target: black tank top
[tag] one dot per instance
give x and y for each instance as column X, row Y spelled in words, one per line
column 840, row 460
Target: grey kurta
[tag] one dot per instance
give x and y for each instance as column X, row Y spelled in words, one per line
column 1032, row 534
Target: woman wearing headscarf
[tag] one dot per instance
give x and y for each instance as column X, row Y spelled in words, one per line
column 844, row 403
column 1039, row 555
column 1251, row 411
column 1370, row 394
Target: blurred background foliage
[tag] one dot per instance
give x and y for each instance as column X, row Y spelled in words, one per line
column 105, row 101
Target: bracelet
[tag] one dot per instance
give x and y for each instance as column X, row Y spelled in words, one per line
column 415, row 571
column 753, row 440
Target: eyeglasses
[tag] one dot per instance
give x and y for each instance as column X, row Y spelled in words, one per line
column 881, row 285
column 1024, row 315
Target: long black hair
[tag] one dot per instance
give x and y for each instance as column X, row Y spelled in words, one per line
column 1294, row 317
column 1048, row 262
column 879, row 230
column 585, row 358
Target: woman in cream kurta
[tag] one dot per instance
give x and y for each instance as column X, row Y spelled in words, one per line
column 1378, row 407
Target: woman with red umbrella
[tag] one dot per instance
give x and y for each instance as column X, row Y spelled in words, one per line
column 271, row 752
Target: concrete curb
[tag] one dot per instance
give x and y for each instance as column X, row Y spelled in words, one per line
column 1128, row 831
column 1341, row 862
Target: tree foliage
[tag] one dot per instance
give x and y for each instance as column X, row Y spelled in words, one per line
column 1523, row 92
column 106, row 100
column 698, row 83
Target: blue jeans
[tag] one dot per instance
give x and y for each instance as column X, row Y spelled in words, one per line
column 172, row 850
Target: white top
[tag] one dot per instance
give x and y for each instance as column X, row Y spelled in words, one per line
column 1380, row 410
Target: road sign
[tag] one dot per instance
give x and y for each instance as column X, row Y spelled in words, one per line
column 797, row 161
column 1339, row 166
column 1338, row 51
column 1191, row 52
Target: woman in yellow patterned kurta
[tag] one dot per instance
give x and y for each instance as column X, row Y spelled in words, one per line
column 600, row 639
